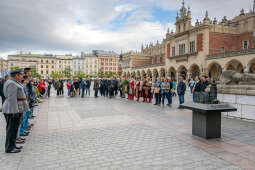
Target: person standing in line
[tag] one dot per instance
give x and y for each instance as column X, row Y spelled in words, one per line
column 13, row 108
column 88, row 84
column 169, row 95
column 157, row 91
column 165, row 91
column 191, row 85
column 181, row 89
column 49, row 87
column 174, row 87
column 116, row 84
column 96, row 87
column 6, row 77
column 62, row 87
column 131, row 91
column 83, row 87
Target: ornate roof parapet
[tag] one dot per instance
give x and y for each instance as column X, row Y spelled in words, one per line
column 206, row 19
column 215, row 21
column 224, row 20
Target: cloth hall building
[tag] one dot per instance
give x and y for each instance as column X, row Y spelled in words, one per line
column 209, row 47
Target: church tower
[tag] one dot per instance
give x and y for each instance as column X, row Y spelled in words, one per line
column 183, row 22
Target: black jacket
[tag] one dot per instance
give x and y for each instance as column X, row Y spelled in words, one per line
column 181, row 88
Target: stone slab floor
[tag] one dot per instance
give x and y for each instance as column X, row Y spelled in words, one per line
column 89, row 133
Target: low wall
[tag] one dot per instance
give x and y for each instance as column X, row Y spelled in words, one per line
column 240, row 96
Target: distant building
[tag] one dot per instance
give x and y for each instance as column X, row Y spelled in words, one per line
column 108, row 61
column 78, row 64
column 91, row 65
column 46, row 65
column 63, row 62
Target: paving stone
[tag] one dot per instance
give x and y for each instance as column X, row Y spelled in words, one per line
column 89, row 133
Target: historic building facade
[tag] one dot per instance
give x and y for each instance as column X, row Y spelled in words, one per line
column 108, row 61
column 63, row 62
column 209, row 47
column 91, row 64
column 46, row 65
column 78, row 64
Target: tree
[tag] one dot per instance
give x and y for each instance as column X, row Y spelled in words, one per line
column 110, row 74
column 14, row 68
column 34, row 73
column 101, row 74
column 67, row 72
column 80, row 74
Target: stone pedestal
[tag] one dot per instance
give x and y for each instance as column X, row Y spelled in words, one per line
column 206, row 118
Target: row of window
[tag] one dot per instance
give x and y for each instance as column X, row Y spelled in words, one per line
column 47, row 66
column 182, row 48
column 46, row 72
column 110, row 64
column 110, row 60
column 110, row 68
column 69, row 62
column 47, row 61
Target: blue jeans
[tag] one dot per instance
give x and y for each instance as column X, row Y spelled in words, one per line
column 191, row 88
column 168, row 96
column 69, row 92
column 181, row 99
column 24, row 123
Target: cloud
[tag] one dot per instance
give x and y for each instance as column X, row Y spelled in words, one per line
column 83, row 25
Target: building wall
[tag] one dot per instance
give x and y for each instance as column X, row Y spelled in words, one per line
column 46, row 66
column 108, row 63
column 78, row 65
column 91, row 65
column 63, row 62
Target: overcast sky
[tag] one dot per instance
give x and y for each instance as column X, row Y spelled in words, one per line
column 72, row 26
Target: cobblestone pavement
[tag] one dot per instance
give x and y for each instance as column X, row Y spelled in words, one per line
column 89, row 133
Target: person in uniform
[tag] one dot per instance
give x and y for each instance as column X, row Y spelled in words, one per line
column 13, row 108
column 131, row 91
column 137, row 89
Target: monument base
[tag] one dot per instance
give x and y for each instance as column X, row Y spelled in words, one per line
column 206, row 118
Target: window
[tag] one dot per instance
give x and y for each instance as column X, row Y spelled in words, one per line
column 173, row 51
column 52, row 66
column 192, row 47
column 41, row 61
column 41, row 72
column 41, row 66
column 47, row 66
column 59, row 61
column 245, row 45
column 181, row 49
column 47, row 72
column 47, row 61
column 52, row 61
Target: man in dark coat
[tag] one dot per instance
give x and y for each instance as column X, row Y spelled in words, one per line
column 181, row 89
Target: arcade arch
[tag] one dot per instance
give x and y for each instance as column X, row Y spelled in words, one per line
column 182, row 71
column 194, row 71
column 234, row 65
column 172, row 72
column 215, row 70
column 251, row 66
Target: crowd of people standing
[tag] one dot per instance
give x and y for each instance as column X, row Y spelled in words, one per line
column 161, row 89
column 20, row 93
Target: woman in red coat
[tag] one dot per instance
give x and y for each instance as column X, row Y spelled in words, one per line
column 41, row 87
column 131, row 91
